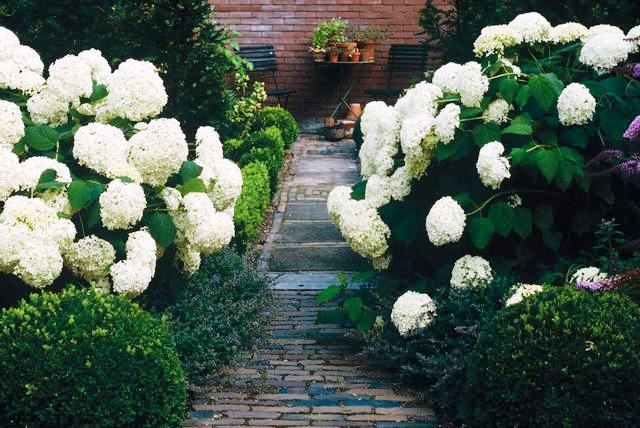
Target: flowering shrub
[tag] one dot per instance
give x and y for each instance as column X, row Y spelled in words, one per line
column 93, row 184
column 515, row 156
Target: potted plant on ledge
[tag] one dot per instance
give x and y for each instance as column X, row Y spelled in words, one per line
column 367, row 39
column 327, row 36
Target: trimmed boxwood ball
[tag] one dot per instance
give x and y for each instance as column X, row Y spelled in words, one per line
column 265, row 146
column 81, row 358
column 565, row 357
column 252, row 203
column 281, row 119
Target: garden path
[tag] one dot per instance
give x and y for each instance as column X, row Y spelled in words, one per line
column 306, row 373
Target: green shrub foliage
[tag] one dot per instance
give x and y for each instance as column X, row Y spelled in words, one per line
column 179, row 36
column 214, row 315
column 252, row 203
column 233, row 148
column 565, row 357
column 451, row 31
column 281, row 119
column 81, row 358
column 265, row 146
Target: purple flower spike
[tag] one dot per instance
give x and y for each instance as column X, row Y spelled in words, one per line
column 591, row 285
column 631, row 166
column 630, row 69
column 633, row 131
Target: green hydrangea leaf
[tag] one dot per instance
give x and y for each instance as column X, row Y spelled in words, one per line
column 545, row 89
column 523, row 222
column 485, row 133
column 162, row 229
column 508, row 88
column 40, row 137
column 502, row 216
column 548, row 163
column 520, row 125
column 481, row 230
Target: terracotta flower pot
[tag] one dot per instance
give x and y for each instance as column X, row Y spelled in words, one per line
column 332, row 56
column 346, row 49
column 367, row 50
column 355, row 57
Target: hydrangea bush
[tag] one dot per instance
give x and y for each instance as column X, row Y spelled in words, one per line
column 93, row 184
column 515, row 156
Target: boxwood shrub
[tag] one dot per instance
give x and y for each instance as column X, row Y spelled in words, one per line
column 281, row 119
column 265, row 146
column 565, row 357
column 214, row 315
column 81, row 358
column 252, row 203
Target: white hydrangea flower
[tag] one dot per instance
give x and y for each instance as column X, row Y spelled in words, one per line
column 510, row 67
column 568, row 32
column 418, row 100
column 142, row 248
column 604, row 51
column 471, row 272
column 90, row 258
column 39, row 262
column 602, row 29
column 363, row 229
column 27, row 82
column 381, row 263
column 493, row 168
column 412, row 313
column 472, row 84
column 532, row 27
column 225, row 184
column 494, row 39
column 633, row 36
column 576, row 105
column 130, row 277
column 446, row 77
column 46, row 107
column 514, row 201
column 70, row 79
column 190, row 259
column 208, row 146
column 497, row 111
column 380, row 129
column 414, row 130
column 446, row 123
column 588, row 274
column 122, row 205
column 27, row 59
column 12, row 239
column 9, row 73
column 104, row 149
column 11, row 125
column 418, row 160
column 8, row 42
column 206, row 230
column 378, row 191
column 445, row 222
column 158, row 151
column 9, row 171
column 400, row 184
column 136, row 92
column 100, row 68
column 336, row 199
column 58, row 200
column 171, row 197
column 32, row 168
column 523, row 291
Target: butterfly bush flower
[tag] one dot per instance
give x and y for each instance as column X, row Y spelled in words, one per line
column 576, row 105
column 471, row 272
column 445, row 222
column 633, row 131
column 412, row 313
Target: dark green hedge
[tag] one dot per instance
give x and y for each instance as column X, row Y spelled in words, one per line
column 265, row 146
column 80, row 358
column 179, row 36
column 565, row 357
column 281, row 119
column 252, row 203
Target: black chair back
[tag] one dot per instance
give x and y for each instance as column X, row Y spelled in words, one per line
column 263, row 57
column 408, row 58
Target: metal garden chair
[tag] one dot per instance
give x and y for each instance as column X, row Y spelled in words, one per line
column 264, row 62
column 402, row 59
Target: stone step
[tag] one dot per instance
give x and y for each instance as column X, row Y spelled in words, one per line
column 316, row 258
column 307, row 211
column 307, row 232
column 306, row 280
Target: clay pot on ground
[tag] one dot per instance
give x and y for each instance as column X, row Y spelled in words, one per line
column 346, row 49
column 354, row 112
column 329, row 122
column 367, row 50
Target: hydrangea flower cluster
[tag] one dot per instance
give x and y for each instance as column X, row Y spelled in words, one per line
column 471, row 272
column 493, row 168
column 124, row 187
column 576, row 105
column 412, row 313
column 445, row 222
column 521, row 292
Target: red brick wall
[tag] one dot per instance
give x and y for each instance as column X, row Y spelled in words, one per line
column 287, row 24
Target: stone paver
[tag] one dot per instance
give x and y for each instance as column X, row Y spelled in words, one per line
column 306, row 373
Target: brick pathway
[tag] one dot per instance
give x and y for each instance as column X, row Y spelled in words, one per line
column 305, row 373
